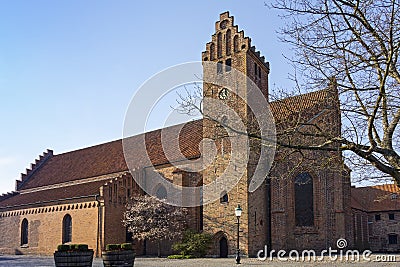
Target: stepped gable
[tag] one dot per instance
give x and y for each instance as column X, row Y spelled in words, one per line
column 238, row 42
column 108, row 158
column 83, row 163
column 25, row 177
column 379, row 198
column 258, row 55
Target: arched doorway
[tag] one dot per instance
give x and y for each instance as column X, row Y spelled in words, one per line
column 223, row 247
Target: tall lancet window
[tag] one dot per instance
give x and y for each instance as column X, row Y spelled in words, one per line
column 212, row 51
column 228, row 42
column 24, row 232
column 67, row 229
column 236, row 43
column 304, row 200
column 219, row 45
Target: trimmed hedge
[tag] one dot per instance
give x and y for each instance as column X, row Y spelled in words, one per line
column 113, row 247
column 73, row 247
column 81, row 247
column 123, row 246
column 63, row 248
column 126, row 246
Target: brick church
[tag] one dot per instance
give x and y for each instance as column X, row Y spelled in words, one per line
column 80, row 196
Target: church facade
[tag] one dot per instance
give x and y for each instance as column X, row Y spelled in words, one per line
column 303, row 203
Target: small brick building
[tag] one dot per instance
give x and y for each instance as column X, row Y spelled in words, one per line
column 304, row 202
column 376, row 217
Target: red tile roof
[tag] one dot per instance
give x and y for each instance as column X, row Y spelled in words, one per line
column 101, row 160
column 109, row 157
column 44, row 196
column 376, row 198
column 281, row 109
column 355, row 204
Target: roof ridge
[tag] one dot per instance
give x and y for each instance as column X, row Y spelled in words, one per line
column 377, row 186
column 326, row 90
column 74, row 182
column 120, row 139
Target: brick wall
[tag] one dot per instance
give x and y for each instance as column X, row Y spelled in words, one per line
column 258, row 219
column 331, row 187
column 361, row 229
column 379, row 231
column 45, row 227
column 115, row 194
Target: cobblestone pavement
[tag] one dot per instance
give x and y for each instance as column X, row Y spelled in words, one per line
column 36, row 261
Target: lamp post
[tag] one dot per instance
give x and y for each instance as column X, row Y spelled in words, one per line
column 238, row 213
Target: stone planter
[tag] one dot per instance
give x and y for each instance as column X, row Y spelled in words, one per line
column 73, row 258
column 117, row 258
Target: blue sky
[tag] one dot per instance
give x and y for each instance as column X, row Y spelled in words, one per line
column 68, row 69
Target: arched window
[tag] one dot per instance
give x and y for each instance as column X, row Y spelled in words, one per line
column 67, row 229
column 219, row 45
column 236, row 43
column 161, row 192
column 304, row 200
column 24, row 232
column 212, row 51
column 228, row 42
column 224, row 198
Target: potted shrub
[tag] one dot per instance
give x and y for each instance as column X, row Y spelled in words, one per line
column 118, row 255
column 73, row 255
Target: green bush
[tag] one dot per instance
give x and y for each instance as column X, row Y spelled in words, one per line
column 126, row 246
column 113, row 247
column 193, row 244
column 63, row 248
column 179, row 256
column 73, row 247
column 81, row 247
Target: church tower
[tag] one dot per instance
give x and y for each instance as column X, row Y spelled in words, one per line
column 232, row 50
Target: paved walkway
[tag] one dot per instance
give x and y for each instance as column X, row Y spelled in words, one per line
column 35, row 261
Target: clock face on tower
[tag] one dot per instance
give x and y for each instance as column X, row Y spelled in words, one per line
column 223, row 94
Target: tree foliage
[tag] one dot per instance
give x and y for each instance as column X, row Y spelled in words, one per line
column 193, row 244
column 357, row 43
column 146, row 217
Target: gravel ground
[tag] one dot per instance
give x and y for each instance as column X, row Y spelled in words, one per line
column 37, row 261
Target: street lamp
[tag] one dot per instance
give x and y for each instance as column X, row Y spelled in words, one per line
column 238, row 213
